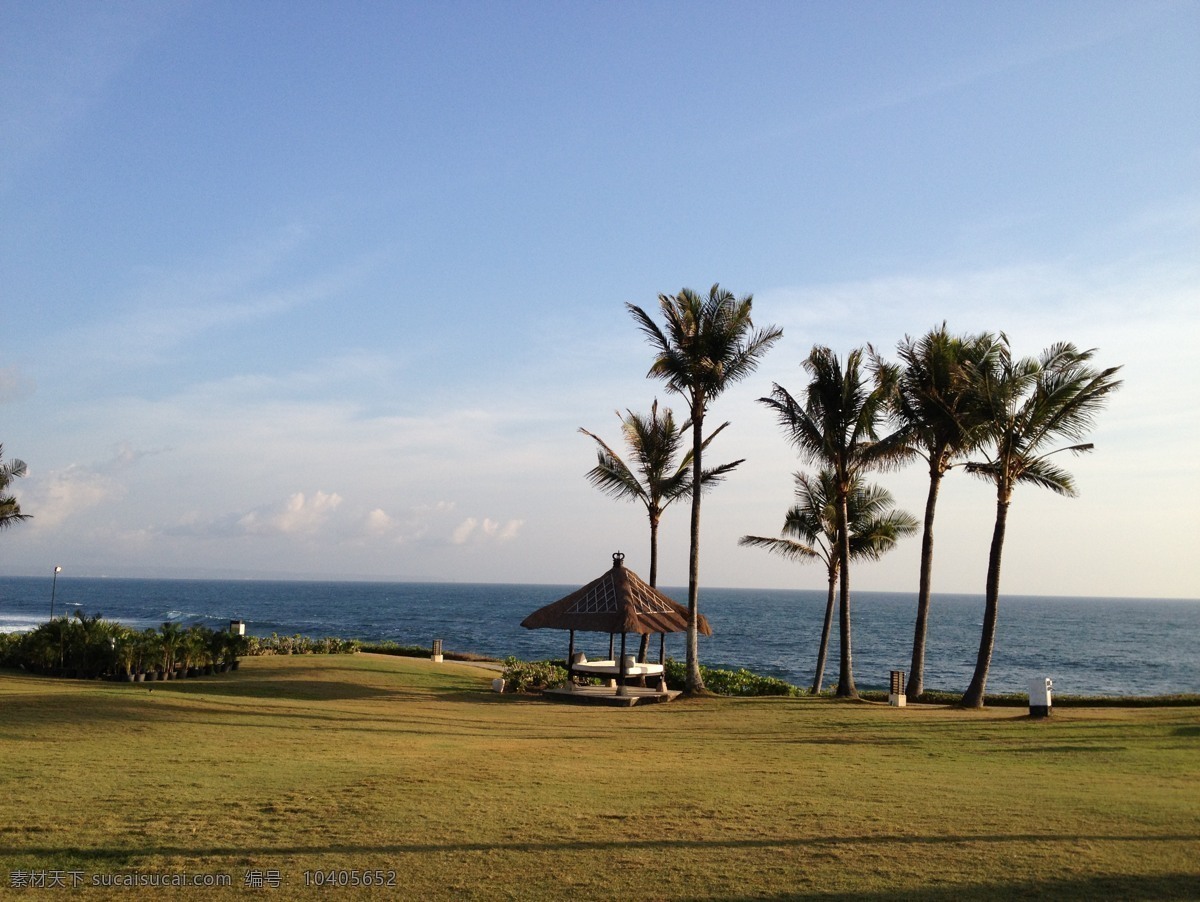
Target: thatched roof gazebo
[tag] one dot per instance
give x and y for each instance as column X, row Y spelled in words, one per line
column 617, row 602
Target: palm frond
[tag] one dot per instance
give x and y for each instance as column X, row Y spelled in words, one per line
column 793, row 551
column 10, row 508
column 874, row 537
column 1046, row 475
column 708, row 342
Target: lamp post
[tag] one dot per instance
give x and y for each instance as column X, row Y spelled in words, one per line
column 53, row 588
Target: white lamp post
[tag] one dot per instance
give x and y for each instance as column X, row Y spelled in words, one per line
column 53, row 588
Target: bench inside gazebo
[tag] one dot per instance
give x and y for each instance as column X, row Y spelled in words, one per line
column 617, row 603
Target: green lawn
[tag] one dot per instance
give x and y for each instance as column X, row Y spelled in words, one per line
column 371, row 763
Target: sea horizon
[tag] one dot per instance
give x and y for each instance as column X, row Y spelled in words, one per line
column 1090, row 645
column 668, row 589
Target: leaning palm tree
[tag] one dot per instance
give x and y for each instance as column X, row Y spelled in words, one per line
column 708, row 344
column 10, row 510
column 838, row 425
column 936, row 408
column 656, row 478
column 810, row 533
column 1032, row 404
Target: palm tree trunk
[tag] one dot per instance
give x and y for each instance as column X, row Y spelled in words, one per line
column 973, row 697
column 824, row 649
column 644, row 647
column 846, row 688
column 916, row 673
column 695, row 682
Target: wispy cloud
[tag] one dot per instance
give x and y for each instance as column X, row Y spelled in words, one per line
column 53, row 77
column 299, row 515
column 252, row 284
column 486, row 529
column 931, row 76
column 61, row 495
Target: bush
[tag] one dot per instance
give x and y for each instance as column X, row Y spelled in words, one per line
column 10, row 648
column 89, row 647
column 729, row 682
column 392, row 648
column 276, row 644
column 530, row 676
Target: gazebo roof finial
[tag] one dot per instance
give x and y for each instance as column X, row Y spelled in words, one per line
column 618, row 559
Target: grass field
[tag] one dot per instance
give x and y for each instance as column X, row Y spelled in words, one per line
column 294, row 767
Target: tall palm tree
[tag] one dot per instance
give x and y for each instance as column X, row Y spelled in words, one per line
column 10, row 510
column 656, row 478
column 810, row 533
column 937, row 410
column 1032, row 405
column 838, row 425
column 708, row 344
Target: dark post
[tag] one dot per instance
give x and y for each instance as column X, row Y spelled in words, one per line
column 621, row 690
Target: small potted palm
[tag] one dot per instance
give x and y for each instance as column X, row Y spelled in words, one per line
column 235, row 645
column 125, row 651
column 218, row 641
column 170, row 638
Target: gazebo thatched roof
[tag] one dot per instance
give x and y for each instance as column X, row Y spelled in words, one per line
column 617, row 602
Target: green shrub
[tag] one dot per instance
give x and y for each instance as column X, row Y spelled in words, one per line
column 392, row 648
column 89, row 647
column 276, row 644
column 10, row 649
column 421, row 651
column 729, row 682
column 531, row 676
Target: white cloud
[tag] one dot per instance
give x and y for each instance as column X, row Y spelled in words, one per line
column 296, row 516
column 502, row 532
column 486, row 529
column 379, row 523
column 463, row 531
column 65, row 493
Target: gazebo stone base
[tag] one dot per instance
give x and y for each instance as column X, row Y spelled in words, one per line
column 604, row 695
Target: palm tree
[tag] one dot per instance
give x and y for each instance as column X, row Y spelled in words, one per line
column 656, row 479
column 838, row 425
column 170, row 642
column 1031, row 405
column 810, row 533
column 936, row 408
column 708, row 344
column 10, row 510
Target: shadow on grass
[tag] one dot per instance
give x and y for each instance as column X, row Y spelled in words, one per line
column 286, row 689
column 1125, row 887
column 1131, row 888
column 534, row 847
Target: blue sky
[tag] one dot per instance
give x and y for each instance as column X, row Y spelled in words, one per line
column 326, row 290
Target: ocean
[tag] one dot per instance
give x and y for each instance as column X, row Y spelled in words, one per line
column 1087, row 646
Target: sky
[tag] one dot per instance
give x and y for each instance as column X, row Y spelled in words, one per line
column 326, row 290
